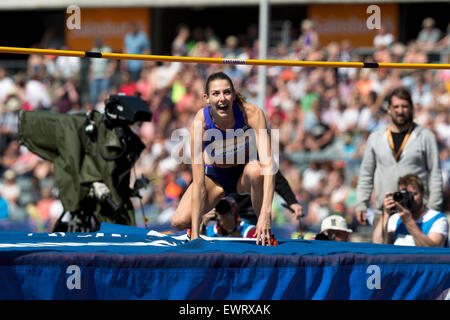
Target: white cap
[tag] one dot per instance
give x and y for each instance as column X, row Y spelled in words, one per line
column 334, row 222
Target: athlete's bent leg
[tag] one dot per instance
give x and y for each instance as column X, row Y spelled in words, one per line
column 251, row 182
column 182, row 217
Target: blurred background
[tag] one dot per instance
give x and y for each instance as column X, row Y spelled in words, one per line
column 347, row 103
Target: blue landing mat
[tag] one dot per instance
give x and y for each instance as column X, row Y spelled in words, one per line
column 127, row 263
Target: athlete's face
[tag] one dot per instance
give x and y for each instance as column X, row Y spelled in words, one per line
column 220, row 96
column 400, row 111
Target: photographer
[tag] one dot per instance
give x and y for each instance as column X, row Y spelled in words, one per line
column 406, row 220
column 225, row 221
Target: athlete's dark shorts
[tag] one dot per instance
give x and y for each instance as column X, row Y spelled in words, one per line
column 227, row 178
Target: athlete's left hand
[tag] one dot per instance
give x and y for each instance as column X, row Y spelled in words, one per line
column 263, row 229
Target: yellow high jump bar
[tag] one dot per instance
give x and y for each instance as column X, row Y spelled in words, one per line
column 286, row 63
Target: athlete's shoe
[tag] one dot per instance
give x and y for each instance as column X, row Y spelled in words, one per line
column 189, row 234
column 273, row 241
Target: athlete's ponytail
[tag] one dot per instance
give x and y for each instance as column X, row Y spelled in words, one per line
column 240, row 99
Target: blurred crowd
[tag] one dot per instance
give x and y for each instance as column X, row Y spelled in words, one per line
column 324, row 115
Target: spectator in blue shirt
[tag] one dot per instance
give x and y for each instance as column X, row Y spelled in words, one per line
column 136, row 42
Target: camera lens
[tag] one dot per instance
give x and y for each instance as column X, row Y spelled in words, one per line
column 405, row 198
column 398, row 196
column 322, row 236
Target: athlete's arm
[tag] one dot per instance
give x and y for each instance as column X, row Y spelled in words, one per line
column 198, row 172
column 257, row 120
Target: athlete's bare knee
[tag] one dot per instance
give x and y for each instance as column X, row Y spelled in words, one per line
column 179, row 221
column 253, row 171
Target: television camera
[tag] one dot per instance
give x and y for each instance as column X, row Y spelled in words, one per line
column 93, row 155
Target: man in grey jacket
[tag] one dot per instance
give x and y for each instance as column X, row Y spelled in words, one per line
column 403, row 147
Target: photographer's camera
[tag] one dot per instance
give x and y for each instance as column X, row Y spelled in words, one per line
column 405, row 198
